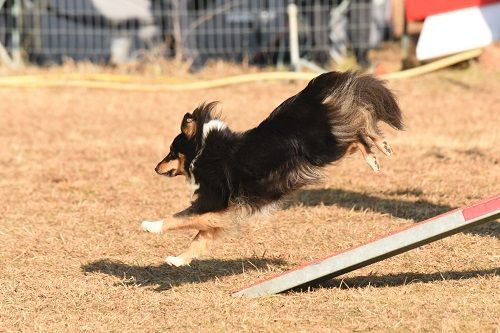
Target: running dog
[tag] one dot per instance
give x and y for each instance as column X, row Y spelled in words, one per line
column 334, row 116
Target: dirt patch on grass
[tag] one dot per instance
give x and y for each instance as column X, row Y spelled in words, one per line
column 77, row 177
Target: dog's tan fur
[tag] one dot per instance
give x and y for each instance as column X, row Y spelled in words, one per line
column 176, row 167
column 210, row 226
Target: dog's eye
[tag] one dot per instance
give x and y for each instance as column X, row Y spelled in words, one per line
column 172, row 155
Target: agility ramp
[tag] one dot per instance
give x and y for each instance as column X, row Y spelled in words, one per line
column 378, row 249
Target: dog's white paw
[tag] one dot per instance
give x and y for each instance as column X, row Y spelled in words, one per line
column 372, row 161
column 386, row 148
column 176, row 261
column 154, row 227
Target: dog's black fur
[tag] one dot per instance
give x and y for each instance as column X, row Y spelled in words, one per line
column 284, row 152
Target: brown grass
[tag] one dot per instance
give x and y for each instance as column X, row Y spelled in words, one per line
column 76, row 179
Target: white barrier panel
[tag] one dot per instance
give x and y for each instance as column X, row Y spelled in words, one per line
column 459, row 30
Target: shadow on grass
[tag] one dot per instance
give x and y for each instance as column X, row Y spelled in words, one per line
column 400, row 279
column 164, row 276
column 416, row 211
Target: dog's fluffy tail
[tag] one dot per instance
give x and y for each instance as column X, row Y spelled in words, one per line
column 355, row 103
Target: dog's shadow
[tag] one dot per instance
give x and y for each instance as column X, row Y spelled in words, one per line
column 413, row 210
column 164, row 277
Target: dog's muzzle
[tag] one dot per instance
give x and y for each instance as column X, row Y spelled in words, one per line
column 167, row 168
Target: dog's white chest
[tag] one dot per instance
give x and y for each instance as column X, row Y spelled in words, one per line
column 192, row 184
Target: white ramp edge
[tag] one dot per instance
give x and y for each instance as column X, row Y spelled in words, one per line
column 378, row 249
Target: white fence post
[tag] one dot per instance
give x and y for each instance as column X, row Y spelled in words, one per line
column 293, row 32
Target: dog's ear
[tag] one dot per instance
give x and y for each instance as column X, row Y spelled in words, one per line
column 188, row 125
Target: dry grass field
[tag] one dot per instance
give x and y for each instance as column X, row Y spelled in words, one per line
column 77, row 178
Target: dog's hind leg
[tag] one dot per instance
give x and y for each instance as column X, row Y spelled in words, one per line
column 369, row 156
column 372, row 133
column 382, row 145
column 198, row 247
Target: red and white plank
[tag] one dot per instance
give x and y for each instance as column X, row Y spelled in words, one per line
column 378, row 249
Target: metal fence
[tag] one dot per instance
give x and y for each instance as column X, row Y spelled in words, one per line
column 251, row 31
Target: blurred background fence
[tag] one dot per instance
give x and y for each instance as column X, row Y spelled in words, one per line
column 250, row 31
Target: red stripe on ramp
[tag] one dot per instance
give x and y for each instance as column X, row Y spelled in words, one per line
column 483, row 208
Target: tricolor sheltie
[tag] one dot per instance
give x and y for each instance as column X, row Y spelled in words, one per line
column 335, row 115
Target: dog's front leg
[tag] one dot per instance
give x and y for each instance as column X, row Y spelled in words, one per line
column 198, row 247
column 209, row 226
column 154, row 227
column 157, row 227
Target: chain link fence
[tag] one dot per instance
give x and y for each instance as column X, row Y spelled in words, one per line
column 249, row 31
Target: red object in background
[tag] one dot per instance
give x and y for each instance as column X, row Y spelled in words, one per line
column 417, row 10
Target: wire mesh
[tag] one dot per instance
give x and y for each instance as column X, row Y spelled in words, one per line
column 117, row 31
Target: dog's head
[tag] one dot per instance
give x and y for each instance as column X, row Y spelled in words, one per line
column 186, row 145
